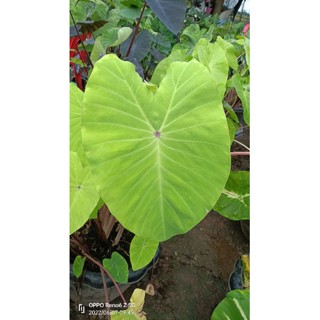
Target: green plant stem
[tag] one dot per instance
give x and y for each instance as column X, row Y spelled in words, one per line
column 106, row 294
column 78, row 33
column 101, row 267
column 136, row 29
column 240, row 153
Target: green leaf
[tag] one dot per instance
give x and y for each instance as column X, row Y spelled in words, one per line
column 235, row 306
column 244, row 94
column 77, row 61
column 229, row 51
column 191, row 33
column 231, row 113
column 142, row 252
column 115, row 36
column 160, row 158
column 233, row 121
column 101, row 12
column 134, row 3
column 78, row 265
column 95, row 1
column 118, row 267
column 234, row 202
column 108, row 37
column 162, row 67
column 247, row 50
column 233, row 127
column 78, row 9
column 214, row 58
column 98, row 50
column 130, row 13
column 83, row 193
column 76, row 100
column 123, row 35
column 94, row 213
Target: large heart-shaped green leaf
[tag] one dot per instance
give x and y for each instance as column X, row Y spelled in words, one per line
column 160, row 156
column 83, row 193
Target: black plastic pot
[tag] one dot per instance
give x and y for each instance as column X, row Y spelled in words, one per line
column 235, row 278
column 92, row 286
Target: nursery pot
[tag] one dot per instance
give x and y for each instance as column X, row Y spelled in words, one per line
column 236, row 276
column 92, row 286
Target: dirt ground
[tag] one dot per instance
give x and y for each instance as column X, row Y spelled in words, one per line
column 191, row 276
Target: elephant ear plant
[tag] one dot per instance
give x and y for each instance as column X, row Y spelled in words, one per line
column 159, row 156
column 153, row 156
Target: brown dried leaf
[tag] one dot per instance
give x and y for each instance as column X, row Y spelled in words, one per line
column 150, row 289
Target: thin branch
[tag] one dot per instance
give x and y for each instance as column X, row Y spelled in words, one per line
column 106, row 293
column 136, row 29
column 239, row 153
column 241, row 144
column 75, row 25
column 101, row 267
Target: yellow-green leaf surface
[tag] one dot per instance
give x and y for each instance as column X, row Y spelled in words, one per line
column 162, row 67
column 76, row 98
column 229, row 52
column 160, row 157
column 213, row 56
column 83, row 193
column 142, row 252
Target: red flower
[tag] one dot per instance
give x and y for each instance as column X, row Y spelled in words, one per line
column 246, row 28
